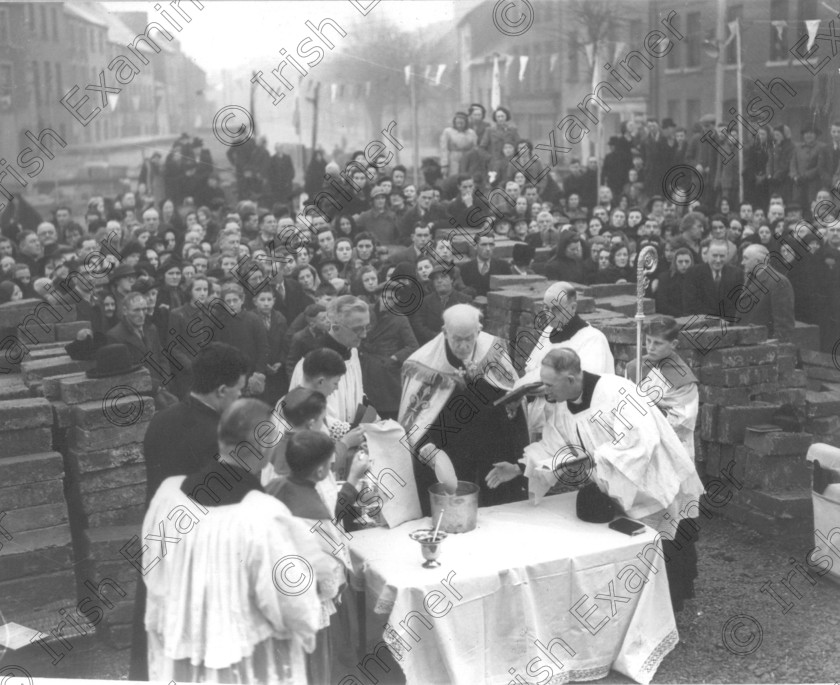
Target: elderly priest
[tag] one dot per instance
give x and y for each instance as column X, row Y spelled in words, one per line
column 449, row 387
column 636, row 458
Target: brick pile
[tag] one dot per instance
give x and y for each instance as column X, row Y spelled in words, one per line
column 106, row 482
column 36, row 553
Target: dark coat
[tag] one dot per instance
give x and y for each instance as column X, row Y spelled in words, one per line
column 670, row 295
column 435, row 214
column 427, row 322
column 293, row 302
column 702, row 296
column 391, row 336
column 302, row 343
column 481, row 284
column 139, row 348
column 179, row 440
column 246, row 333
column 773, row 308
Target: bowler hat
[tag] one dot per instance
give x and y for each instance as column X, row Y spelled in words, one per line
column 112, row 360
column 593, row 506
column 122, row 271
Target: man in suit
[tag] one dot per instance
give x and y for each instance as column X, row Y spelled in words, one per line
column 421, row 236
column 476, row 273
column 181, row 440
column 290, row 299
column 141, row 339
column 461, row 209
column 425, row 211
column 770, row 295
column 707, row 285
column 427, row 322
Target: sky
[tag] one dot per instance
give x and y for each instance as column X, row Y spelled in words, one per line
column 227, row 34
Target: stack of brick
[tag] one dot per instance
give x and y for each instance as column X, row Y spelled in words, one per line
column 822, row 395
column 36, row 553
column 117, row 579
column 103, row 422
column 105, row 419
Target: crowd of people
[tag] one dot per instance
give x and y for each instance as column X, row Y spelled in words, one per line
column 357, row 301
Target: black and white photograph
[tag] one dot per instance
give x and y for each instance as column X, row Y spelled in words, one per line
column 420, row 342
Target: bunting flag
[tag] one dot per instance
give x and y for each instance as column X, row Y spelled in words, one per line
column 523, row 65
column 780, row 25
column 733, row 28
column 441, row 68
column 333, row 91
column 428, row 72
column 590, row 52
column 508, row 62
column 553, row 61
column 495, row 85
column 813, row 25
column 407, row 74
column 113, row 101
column 296, row 111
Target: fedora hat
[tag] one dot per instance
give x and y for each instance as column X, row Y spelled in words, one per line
column 122, row 271
column 112, row 360
column 84, row 349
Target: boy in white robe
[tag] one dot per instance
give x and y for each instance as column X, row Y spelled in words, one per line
column 227, row 597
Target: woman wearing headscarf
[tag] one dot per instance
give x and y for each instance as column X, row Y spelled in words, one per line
column 567, row 263
column 670, row 294
column 455, row 141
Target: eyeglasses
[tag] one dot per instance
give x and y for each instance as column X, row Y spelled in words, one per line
column 358, row 330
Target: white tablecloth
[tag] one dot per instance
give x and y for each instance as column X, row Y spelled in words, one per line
column 512, row 585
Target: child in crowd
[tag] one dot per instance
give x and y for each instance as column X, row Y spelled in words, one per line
column 308, row 456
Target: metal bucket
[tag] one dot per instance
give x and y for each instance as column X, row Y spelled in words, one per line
column 460, row 510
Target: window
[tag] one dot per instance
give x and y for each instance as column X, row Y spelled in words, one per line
column 673, row 110
column 692, row 113
column 778, row 31
column 732, row 13
column 674, row 55
column 54, row 15
column 574, row 54
column 48, row 84
column 27, row 16
column 693, row 39
column 36, row 83
column 4, row 26
column 59, row 82
column 44, row 28
column 6, row 82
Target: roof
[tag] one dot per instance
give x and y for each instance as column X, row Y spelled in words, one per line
column 85, row 11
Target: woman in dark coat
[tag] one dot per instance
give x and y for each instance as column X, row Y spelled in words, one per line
column 314, row 179
column 388, row 344
column 756, row 183
column 567, row 262
column 670, row 293
column 620, row 270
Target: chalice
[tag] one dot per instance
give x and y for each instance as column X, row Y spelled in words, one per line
column 430, row 542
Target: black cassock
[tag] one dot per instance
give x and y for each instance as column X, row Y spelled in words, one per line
column 475, row 435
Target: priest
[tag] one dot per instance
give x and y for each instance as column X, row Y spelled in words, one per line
column 636, row 457
column 449, row 387
column 563, row 328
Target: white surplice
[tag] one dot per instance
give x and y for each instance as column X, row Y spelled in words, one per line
column 644, row 467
